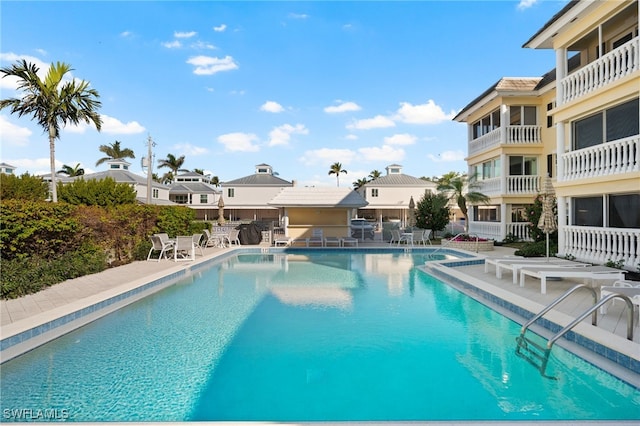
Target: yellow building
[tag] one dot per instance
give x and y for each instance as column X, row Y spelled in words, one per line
column 578, row 123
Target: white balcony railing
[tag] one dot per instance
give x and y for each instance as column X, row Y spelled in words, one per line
column 489, row 186
column 524, row 185
column 512, row 135
column 600, row 245
column 607, row 159
column 489, row 230
column 520, row 230
column 613, row 66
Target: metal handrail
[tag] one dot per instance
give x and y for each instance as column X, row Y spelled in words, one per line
column 453, row 239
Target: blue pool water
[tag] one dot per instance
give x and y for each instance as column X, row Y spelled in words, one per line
column 311, row 335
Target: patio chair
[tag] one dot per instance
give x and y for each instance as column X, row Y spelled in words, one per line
column 426, row 237
column 233, row 237
column 328, row 241
column 165, row 238
column 208, row 240
column 349, row 240
column 158, row 245
column 281, row 241
column 184, row 249
column 417, row 236
column 593, row 273
column 395, row 236
column 316, row 237
column 197, row 243
column 407, row 237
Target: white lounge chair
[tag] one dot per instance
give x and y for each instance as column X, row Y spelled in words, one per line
column 197, row 243
column 515, row 264
column 316, row 237
column 233, row 237
column 281, row 241
column 158, row 245
column 630, row 289
column 329, row 241
column 395, row 236
column 349, row 240
column 593, row 273
column 426, row 237
column 184, row 249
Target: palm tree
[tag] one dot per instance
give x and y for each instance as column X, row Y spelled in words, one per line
column 52, row 102
column 446, row 178
column 360, row 183
column 460, row 190
column 215, row 181
column 173, row 163
column 375, row 174
column 72, row 171
column 336, row 168
column 113, row 152
column 199, row 171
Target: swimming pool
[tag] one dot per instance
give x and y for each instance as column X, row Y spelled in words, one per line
column 303, row 336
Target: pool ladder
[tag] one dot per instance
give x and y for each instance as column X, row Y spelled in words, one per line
column 538, row 354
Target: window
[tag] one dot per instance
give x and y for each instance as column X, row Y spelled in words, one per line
column 486, row 214
column 155, row 193
column 204, row 198
column 374, row 192
column 519, row 214
column 552, row 161
column 522, row 115
column 487, row 170
column 486, row 124
column 622, row 40
column 612, row 124
column 623, row 211
column 549, row 121
column 519, row 166
column 182, row 199
column 230, row 192
column 587, row 211
column 263, row 170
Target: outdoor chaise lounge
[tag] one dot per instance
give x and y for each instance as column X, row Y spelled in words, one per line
column 281, row 241
column 631, row 289
column 349, row 240
column 593, row 273
column 316, row 238
column 332, row 241
column 514, row 264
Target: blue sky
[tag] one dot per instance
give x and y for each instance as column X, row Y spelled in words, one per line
column 297, row 85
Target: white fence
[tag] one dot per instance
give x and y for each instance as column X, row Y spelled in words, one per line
column 621, row 156
column 600, row 245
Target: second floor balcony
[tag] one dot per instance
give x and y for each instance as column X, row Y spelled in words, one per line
column 606, row 159
column 510, row 185
column 506, row 135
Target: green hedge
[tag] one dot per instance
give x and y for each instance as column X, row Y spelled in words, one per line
column 45, row 243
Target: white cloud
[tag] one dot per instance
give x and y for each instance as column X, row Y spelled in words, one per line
column 220, row 28
column 384, row 153
column 188, row 34
column 351, row 137
column 126, row 34
column 400, row 139
column 377, row 122
column 447, row 156
column 114, row 126
column 242, row 142
column 281, row 135
column 13, row 134
column 271, row 106
column 428, row 113
column 38, row 166
column 188, row 149
column 526, row 4
column 298, row 16
column 207, row 65
column 342, row 107
column 42, row 52
column 328, row 156
column 172, row 44
column 203, row 45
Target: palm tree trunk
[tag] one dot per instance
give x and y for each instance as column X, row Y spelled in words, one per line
column 52, row 160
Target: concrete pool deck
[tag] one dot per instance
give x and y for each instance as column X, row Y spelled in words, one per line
column 27, row 312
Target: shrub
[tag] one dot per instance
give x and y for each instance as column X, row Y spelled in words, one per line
column 96, row 192
column 24, row 187
column 510, row 239
column 432, row 212
column 537, row 249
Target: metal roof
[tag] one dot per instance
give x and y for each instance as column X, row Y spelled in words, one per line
column 399, row 179
column 318, row 197
column 258, row 179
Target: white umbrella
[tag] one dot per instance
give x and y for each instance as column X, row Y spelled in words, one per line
column 547, row 222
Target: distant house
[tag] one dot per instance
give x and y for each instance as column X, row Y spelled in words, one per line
column 328, row 208
column 7, row 169
column 247, row 198
column 197, row 192
column 118, row 170
column 388, row 196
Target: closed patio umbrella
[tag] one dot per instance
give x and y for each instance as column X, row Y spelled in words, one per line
column 412, row 212
column 220, row 210
column 547, row 222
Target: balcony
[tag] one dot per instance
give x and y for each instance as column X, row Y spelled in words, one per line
column 513, row 185
column 512, row 135
column 494, row 230
column 600, row 245
column 607, row 159
column 609, row 68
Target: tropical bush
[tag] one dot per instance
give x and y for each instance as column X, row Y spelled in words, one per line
column 432, row 212
column 96, row 192
column 23, row 187
column 534, row 211
column 537, row 249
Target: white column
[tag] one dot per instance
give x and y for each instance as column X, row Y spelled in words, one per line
column 560, row 133
column 561, row 72
column 562, row 223
column 503, row 220
column 285, row 223
column 504, row 122
column 504, row 171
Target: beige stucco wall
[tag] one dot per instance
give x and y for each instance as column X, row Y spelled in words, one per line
column 332, row 221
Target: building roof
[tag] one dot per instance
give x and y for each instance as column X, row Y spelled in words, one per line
column 398, row 179
column 258, row 179
column 318, row 197
column 122, row 176
column 192, row 188
column 555, row 18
